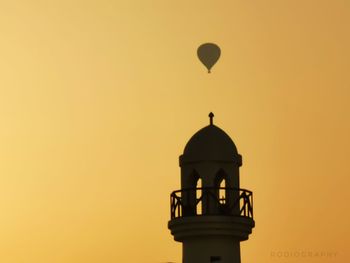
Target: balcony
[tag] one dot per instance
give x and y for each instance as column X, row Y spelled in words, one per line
column 211, row 201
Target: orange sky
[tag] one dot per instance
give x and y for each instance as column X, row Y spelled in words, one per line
column 98, row 99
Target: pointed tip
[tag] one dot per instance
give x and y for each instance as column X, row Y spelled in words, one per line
column 211, row 116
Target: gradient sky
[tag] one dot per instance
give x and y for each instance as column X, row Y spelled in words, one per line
column 98, row 99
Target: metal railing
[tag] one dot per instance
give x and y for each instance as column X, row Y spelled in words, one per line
column 207, row 201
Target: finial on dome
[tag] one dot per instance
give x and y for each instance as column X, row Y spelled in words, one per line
column 211, row 116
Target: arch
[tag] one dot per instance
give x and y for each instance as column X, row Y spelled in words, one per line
column 220, row 176
column 220, row 183
column 222, row 193
column 199, row 200
column 193, row 179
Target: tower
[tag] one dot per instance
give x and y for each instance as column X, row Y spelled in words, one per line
column 211, row 215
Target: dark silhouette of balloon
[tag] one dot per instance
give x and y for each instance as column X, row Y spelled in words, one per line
column 208, row 54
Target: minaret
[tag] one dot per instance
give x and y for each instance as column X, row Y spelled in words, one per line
column 212, row 219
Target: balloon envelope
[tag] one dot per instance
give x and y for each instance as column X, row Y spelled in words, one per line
column 208, row 54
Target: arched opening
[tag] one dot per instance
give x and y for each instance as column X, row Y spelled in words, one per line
column 222, row 192
column 192, row 180
column 199, row 195
column 220, row 183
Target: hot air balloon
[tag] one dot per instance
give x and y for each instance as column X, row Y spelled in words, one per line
column 208, row 54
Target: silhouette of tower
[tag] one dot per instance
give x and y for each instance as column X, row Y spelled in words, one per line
column 210, row 215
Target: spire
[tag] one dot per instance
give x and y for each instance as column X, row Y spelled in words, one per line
column 211, row 116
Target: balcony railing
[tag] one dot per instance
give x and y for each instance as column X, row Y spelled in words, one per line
column 211, row 201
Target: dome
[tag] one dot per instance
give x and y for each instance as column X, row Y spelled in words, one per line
column 210, row 144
